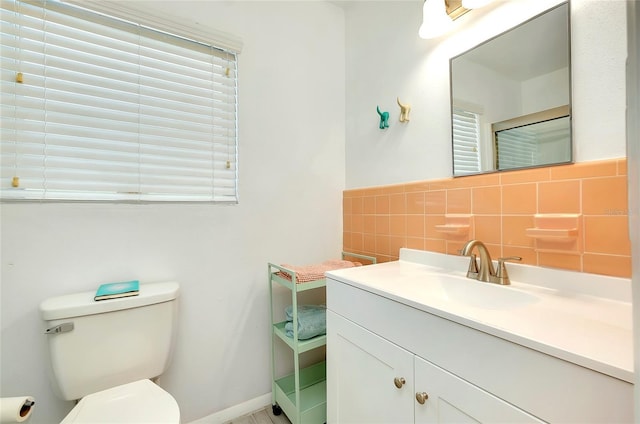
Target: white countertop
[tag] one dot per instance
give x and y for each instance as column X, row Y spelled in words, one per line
column 582, row 318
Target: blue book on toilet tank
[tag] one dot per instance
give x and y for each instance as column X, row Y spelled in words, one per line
column 115, row 290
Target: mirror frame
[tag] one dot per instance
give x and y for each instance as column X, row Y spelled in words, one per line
column 494, row 169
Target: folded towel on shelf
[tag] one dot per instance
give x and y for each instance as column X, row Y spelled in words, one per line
column 306, row 273
column 305, row 311
column 312, row 321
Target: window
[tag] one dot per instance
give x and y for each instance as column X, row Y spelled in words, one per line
column 534, row 139
column 99, row 108
column 516, row 148
column 466, row 142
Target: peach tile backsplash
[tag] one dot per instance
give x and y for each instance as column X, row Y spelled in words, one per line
column 502, row 206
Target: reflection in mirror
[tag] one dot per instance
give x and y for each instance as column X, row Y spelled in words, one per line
column 511, row 98
column 538, row 139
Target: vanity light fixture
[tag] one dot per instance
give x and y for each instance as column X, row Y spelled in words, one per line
column 475, row 4
column 435, row 20
column 438, row 15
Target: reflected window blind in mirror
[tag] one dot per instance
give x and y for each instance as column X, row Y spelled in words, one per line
column 515, row 149
column 466, row 136
column 99, row 108
column 532, row 144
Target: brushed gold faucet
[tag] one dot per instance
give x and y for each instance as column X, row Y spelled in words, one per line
column 485, row 271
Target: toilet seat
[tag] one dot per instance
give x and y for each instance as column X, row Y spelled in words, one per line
column 139, row 402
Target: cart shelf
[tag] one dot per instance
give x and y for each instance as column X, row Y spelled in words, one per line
column 301, row 395
column 297, row 287
column 313, row 394
column 303, row 345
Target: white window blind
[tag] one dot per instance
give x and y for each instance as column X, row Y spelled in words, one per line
column 111, row 110
column 516, row 148
column 534, row 144
column 466, row 140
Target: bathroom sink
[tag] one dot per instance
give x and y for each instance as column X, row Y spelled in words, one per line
column 478, row 294
column 538, row 310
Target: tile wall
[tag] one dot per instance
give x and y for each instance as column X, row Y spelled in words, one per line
column 570, row 216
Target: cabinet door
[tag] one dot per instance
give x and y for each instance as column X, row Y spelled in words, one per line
column 362, row 372
column 453, row 400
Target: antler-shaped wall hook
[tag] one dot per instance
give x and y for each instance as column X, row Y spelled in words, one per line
column 404, row 111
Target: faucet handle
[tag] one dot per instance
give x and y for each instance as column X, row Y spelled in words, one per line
column 502, row 276
column 473, row 270
column 509, row 258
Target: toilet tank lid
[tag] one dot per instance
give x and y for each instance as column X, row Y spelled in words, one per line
column 81, row 304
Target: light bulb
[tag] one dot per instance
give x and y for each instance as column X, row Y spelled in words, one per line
column 435, row 20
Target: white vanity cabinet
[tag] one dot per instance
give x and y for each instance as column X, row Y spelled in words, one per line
column 450, row 399
column 372, row 380
column 379, row 335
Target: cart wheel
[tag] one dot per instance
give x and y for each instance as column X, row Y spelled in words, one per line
column 276, row 409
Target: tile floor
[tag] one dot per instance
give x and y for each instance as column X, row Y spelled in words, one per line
column 262, row 416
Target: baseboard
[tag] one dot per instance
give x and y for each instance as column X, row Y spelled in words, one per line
column 236, row 411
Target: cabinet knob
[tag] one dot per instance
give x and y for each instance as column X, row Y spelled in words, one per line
column 399, row 382
column 422, row 397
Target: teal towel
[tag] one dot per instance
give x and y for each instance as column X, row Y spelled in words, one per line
column 312, row 321
column 304, row 310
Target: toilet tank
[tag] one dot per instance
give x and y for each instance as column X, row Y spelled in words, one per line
column 95, row 345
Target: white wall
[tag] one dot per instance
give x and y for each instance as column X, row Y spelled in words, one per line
column 292, row 128
column 633, row 152
column 500, row 98
column 544, row 92
column 386, row 58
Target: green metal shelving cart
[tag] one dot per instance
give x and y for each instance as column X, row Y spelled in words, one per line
column 302, row 395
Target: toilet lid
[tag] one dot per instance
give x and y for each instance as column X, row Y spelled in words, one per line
column 138, row 402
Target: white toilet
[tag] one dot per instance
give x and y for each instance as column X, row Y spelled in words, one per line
column 105, row 353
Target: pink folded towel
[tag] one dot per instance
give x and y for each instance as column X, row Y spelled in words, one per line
column 306, row 273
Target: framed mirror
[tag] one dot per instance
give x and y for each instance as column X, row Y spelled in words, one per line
column 511, row 98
